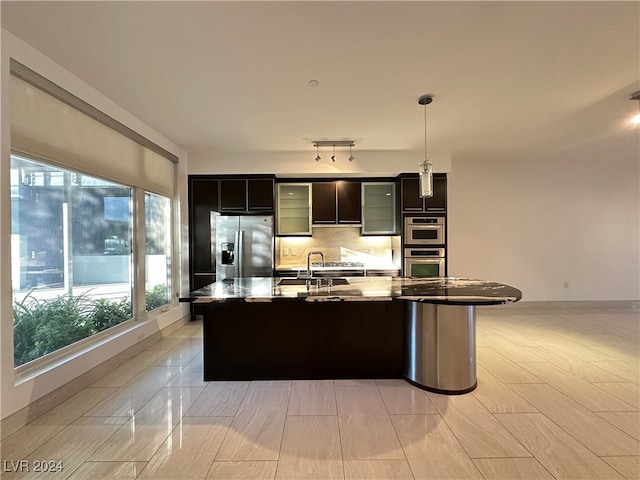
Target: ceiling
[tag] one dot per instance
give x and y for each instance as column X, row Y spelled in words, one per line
column 234, row 76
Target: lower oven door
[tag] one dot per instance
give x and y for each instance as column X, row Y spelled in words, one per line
column 423, row 267
column 424, row 262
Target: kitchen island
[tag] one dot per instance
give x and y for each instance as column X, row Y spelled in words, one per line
column 422, row 330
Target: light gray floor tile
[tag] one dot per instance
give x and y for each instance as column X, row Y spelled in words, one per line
column 557, row 388
column 567, row 459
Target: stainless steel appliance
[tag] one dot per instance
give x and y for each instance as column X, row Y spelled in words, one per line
column 244, row 246
column 424, row 262
column 424, row 230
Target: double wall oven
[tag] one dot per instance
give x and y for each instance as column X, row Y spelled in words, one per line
column 424, row 246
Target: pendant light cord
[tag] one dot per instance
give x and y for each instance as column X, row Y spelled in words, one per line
column 425, row 132
column 424, row 101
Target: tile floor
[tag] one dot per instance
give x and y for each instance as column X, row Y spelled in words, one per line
column 558, row 397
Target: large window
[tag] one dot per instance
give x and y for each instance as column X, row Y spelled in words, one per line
column 72, row 238
column 90, row 214
column 157, row 250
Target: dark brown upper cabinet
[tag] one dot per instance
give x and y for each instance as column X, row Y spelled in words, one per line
column 410, row 194
column 323, row 203
column 233, row 195
column 260, row 194
column 336, row 202
column 247, row 195
column 349, row 202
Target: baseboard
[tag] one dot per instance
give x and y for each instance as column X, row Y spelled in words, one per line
column 599, row 305
column 29, row 413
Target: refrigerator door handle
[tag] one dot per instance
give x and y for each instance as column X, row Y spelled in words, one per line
column 240, row 258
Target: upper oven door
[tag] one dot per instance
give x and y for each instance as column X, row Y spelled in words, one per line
column 424, row 230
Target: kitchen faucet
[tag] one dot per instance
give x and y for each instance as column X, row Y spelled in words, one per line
column 313, row 252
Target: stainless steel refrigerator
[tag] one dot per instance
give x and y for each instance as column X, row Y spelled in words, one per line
column 244, row 246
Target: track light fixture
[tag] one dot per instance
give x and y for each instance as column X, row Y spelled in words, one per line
column 334, row 144
column 426, row 169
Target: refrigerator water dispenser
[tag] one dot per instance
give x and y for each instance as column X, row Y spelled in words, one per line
column 227, row 250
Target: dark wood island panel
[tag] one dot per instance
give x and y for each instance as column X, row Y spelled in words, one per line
column 298, row 339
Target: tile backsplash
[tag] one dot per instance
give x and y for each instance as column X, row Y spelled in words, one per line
column 339, row 244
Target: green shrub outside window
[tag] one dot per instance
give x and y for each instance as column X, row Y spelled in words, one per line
column 42, row 326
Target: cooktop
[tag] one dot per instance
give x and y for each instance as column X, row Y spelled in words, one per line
column 338, row 265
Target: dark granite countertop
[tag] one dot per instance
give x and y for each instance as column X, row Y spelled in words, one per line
column 441, row 290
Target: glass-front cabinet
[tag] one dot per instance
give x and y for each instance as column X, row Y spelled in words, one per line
column 294, row 209
column 379, row 208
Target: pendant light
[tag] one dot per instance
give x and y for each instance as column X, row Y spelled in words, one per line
column 351, row 157
column 426, row 169
column 333, row 157
column 317, row 154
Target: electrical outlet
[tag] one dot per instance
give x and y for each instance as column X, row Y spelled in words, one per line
column 285, row 251
column 294, row 251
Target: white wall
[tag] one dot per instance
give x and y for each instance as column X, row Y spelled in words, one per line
column 17, row 392
column 539, row 219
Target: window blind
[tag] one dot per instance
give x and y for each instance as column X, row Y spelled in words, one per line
column 50, row 123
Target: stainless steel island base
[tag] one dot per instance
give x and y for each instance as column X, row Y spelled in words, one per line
column 440, row 347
